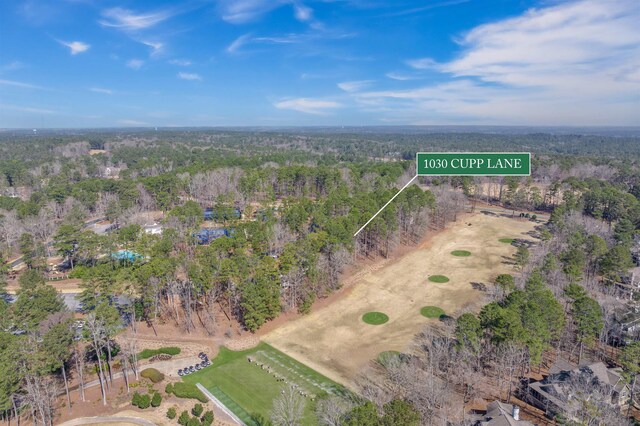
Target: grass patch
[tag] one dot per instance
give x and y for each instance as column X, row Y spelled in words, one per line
column 375, row 318
column 386, row 356
column 188, row 390
column 248, row 390
column 148, row 353
column 432, row 312
column 438, row 279
column 152, row 374
column 507, row 240
column 461, row 253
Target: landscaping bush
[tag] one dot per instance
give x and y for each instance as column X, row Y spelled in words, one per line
column 152, row 374
column 144, row 402
column 188, row 390
column 194, row 421
column 156, row 400
column 184, row 418
column 197, row 410
column 135, row 401
column 168, row 389
column 171, row 413
column 207, row 418
column 148, row 353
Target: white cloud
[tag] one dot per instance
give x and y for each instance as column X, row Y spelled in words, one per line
column 12, row 66
column 101, row 90
column 20, row 84
column 180, row 62
column 127, row 20
column 302, row 12
column 156, row 47
column 243, row 11
column 27, row 109
column 574, row 63
column 135, row 64
column 189, row 76
column 238, row 43
column 354, row 86
column 132, row 123
column 75, row 46
column 307, row 105
column 401, row 77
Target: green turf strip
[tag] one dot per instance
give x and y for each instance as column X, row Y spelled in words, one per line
column 432, row 312
column 375, row 318
column 438, row 279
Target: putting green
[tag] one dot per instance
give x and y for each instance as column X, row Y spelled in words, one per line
column 438, row 279
column 375, row 318
column 507, row 240
column 432, row 312
column 461, row 253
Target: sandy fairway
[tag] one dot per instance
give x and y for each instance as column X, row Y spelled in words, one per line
column 334, row 341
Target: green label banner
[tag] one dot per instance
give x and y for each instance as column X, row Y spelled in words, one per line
column 473, row 163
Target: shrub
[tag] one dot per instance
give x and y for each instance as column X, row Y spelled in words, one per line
column 152, row 374
column 156, row 400
column 171, row 413
column 207, row 418
column 197, row 410
column 148, row 353
column 184, row 418
column 194, row 421
column 135, row 401
column 534, row 216
column 145, row 401
column 168, row 389
column 188, row 390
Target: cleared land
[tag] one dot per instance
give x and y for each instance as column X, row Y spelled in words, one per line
column 336, row 342
column 249, row 387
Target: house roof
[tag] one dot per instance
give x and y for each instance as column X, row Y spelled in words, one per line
column 499, row 414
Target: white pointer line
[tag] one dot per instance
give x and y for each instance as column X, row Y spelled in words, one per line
column 383, row 207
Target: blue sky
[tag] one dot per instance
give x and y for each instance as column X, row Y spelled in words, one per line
column 104, row 63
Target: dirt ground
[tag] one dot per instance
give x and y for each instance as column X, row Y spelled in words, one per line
column 334, row 340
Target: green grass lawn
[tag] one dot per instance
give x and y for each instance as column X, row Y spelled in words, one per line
column 246, row 389
column 432, row 312
column 461, row 253
column 438, row 279
column 375, row 318
column 507, row 240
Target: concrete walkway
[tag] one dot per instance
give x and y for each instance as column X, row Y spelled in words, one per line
column 108, row 419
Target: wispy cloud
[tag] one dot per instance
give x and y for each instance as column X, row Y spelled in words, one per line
column 354, row 86
column 127, row 20
column 75, row 47
column 132, row 123
column 189, row 76
column 573, row 63
column 156, row 47
column 238, row 43
column 243, row 11
column 302, row 13
column 402, row 76
column 135, row 64
column 180, row 62
column 101, row 90
column 20, row 84
column 308, row 105
column 27, row 109
column 12, row 66
column 420, row 9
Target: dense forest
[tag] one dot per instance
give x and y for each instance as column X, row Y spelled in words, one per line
column 285, row 207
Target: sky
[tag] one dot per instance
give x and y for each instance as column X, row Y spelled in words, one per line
column 119, row 63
